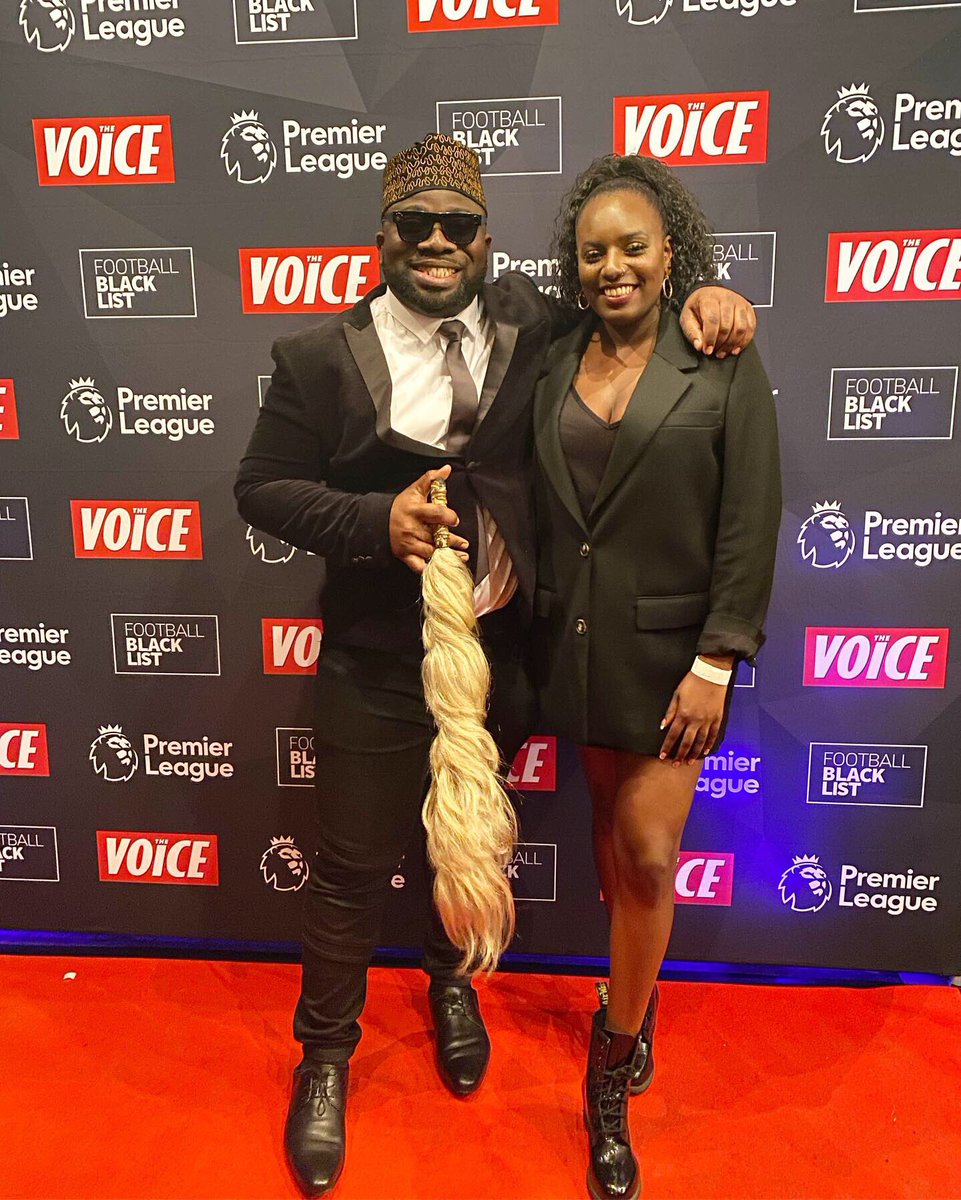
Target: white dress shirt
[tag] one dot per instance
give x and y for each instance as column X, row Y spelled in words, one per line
column 421, row 401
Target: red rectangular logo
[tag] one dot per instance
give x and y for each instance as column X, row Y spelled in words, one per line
column 697, row 129
column 9, row 427
column 291, row 645
column 704, row 878
column 306, row 279
column 136, row 529
column 535, row 766
column 133, row 856
column 73, row 151
column 846, row 656
column 426, row 16
column 23, row 749
column 894, row 264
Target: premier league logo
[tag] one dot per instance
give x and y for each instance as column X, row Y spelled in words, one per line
column 248, row 150
column 113, row 755
column 805, row 886
column 643, row 12
column 852, row 128
column 826, row 538
column 84, row 412
column 269, row 549
column 48, row 25
column 283, row 865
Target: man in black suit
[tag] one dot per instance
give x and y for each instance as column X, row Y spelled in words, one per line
column 431, row 374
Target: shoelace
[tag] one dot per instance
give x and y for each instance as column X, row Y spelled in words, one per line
column 611, row 1098
column 318, row 1089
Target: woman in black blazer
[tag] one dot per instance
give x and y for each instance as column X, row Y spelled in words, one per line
column 658, row 503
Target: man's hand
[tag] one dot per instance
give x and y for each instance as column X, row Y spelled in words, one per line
column 717, row 320
column 412, row 522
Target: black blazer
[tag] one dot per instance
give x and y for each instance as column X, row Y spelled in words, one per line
column 677, row 553
column 323, row 465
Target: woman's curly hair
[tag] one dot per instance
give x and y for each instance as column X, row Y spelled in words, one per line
column 680, row 214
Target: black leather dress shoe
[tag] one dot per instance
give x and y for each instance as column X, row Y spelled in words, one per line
column 314, row 1136
column 463, row 1047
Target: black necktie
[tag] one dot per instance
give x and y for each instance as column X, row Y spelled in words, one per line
column 463, row 410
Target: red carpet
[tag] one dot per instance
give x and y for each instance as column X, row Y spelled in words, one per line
column 168, row 1079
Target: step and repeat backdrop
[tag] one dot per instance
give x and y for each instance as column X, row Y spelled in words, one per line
column 185, row 180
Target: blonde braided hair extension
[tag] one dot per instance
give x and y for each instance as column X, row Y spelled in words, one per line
column 470, row 821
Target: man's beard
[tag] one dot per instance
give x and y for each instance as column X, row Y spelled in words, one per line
column 431, row 304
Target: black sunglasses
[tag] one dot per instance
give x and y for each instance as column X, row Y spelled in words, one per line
column 415, row 226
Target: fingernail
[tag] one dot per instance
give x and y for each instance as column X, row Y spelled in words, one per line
column 708, row 349
column 697, row 343
column 663, row 723
column 736, row 351
column 662, row 757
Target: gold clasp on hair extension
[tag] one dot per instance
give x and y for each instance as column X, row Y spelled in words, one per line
column 438, row 495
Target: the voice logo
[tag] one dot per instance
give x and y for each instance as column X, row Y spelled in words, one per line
column 9, row 426
column 23, row 749
column 74, row 151
column 704, row 878
column 291, row 645
column 136, row 529
column 301, row 279
column 535, row 766
column 426, row 16
column 875, row 657
column 896, row 264
column 140, row 857
column 695, row 129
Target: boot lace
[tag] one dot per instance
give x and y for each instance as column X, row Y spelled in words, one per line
column 611, row 1097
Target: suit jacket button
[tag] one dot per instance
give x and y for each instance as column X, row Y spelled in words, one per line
column 585, row 549
column 580, row 626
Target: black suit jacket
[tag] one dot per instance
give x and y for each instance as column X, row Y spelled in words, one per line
column 323, row 465
column 677, row 553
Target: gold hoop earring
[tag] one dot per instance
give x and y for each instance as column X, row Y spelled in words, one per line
column 582, row 303
column 667, row 288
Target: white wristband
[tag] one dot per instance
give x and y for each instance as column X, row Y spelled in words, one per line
column 712, row 674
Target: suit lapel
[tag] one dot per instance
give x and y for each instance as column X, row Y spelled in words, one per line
column 666, row 378
column 547, row 412
column 505, row 342
column 368, row 354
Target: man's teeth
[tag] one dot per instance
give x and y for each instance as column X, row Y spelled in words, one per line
column 622, row 290
column 438, row 272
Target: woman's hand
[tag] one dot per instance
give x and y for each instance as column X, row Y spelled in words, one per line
column 693, row 719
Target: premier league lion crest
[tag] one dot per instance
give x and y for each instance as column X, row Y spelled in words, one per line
column 269, row 549
column 85, row 413
column 283, row 865
column 643, row 12
column 805, row 886
column 852, row 128
column 248, row 150
column 826, row 538
column 48, row 25
column 113, row 755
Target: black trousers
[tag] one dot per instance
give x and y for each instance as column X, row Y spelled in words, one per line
column 372, row 737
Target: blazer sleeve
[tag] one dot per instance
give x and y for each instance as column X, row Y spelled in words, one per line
column 280, row 486
column 750, row 514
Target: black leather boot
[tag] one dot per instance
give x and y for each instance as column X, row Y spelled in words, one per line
column 613, row 1171
column 463, row 1047
column 314, row 1136
column 644, row 1071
